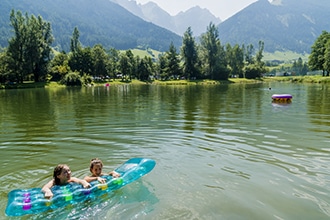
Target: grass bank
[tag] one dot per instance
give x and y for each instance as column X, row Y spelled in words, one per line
column 298, row 79
column 286, row 79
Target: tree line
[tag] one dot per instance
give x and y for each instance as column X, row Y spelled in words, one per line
column 29, row 56
column 319, row 58
column 297, row 68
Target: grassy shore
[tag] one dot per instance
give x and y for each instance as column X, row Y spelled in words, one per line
column 287, row 79
column 183, row 82
column 299, row 79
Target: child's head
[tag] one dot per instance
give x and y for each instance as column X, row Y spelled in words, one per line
column 96, row 167
column 62, row 174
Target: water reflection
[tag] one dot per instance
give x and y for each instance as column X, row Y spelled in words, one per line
column 215, row 146
column 319, row 105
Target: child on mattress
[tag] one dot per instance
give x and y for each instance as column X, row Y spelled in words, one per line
column 96, row 166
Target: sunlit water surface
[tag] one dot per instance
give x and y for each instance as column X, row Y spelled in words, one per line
column 222, row 151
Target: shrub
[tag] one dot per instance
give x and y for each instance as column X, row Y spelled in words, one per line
column 72, row 79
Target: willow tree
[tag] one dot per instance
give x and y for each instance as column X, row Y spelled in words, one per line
column 29, row 49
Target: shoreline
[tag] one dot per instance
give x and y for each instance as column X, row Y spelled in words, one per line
column 286, row 79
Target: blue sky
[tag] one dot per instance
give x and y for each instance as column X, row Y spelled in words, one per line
column 220, row 8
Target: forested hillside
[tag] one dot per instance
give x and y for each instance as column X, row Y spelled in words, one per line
column 282, row 25
column 99, row 22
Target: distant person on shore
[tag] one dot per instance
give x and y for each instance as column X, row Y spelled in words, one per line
column 96, row 167
column 62, row 176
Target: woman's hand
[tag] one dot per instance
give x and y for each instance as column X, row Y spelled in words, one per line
column 48, row 194
column 86, row 184
column 46, row 189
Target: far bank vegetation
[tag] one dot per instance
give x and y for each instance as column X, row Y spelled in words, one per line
column 30, row 57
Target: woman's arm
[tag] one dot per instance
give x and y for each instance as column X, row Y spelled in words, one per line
column 46, row 189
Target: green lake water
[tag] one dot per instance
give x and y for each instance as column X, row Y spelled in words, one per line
column 222, row 151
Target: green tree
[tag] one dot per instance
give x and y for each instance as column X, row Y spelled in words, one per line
column 87, row 62
column 100, row 61
column 113, row 64
column 161, row 68
column 172, row 62
column 29, row 49
column 213, row 55
column 252, row 71
column 124, row 65
column 249, row 54
column 144, row 70
column 4, row 71
column 132, row 64
column 305, row 69
column 80, row 59
column 37, row 47
column 326, row 65
column 59, row 66
column 16, row 46
column 317, row 58
column 259, row 54
column 255, row 67
column 299, row 67
column 235, row 57
column 189, row 55
column 72, row 79
column 151, row 66
column 75, row 44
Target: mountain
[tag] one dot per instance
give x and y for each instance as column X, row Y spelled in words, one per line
column 196, row 17
column 98, row 21
column 281, row 24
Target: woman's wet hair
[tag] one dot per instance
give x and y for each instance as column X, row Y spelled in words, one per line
column 57, row 171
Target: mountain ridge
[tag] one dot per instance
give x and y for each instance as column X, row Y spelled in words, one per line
column 196, row 17
column 99, row 22
column 282, row 25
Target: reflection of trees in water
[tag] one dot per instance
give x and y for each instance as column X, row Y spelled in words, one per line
column 210, row 104
column 319, row 104
column 61, row 108
column 28, row 111
column 25, row 116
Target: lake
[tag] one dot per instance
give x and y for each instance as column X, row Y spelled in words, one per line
column 222, row 151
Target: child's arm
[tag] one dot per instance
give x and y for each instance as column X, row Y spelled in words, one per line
column 84, row 183
column 114, row 174
column 92, row 178
column 46, row 189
